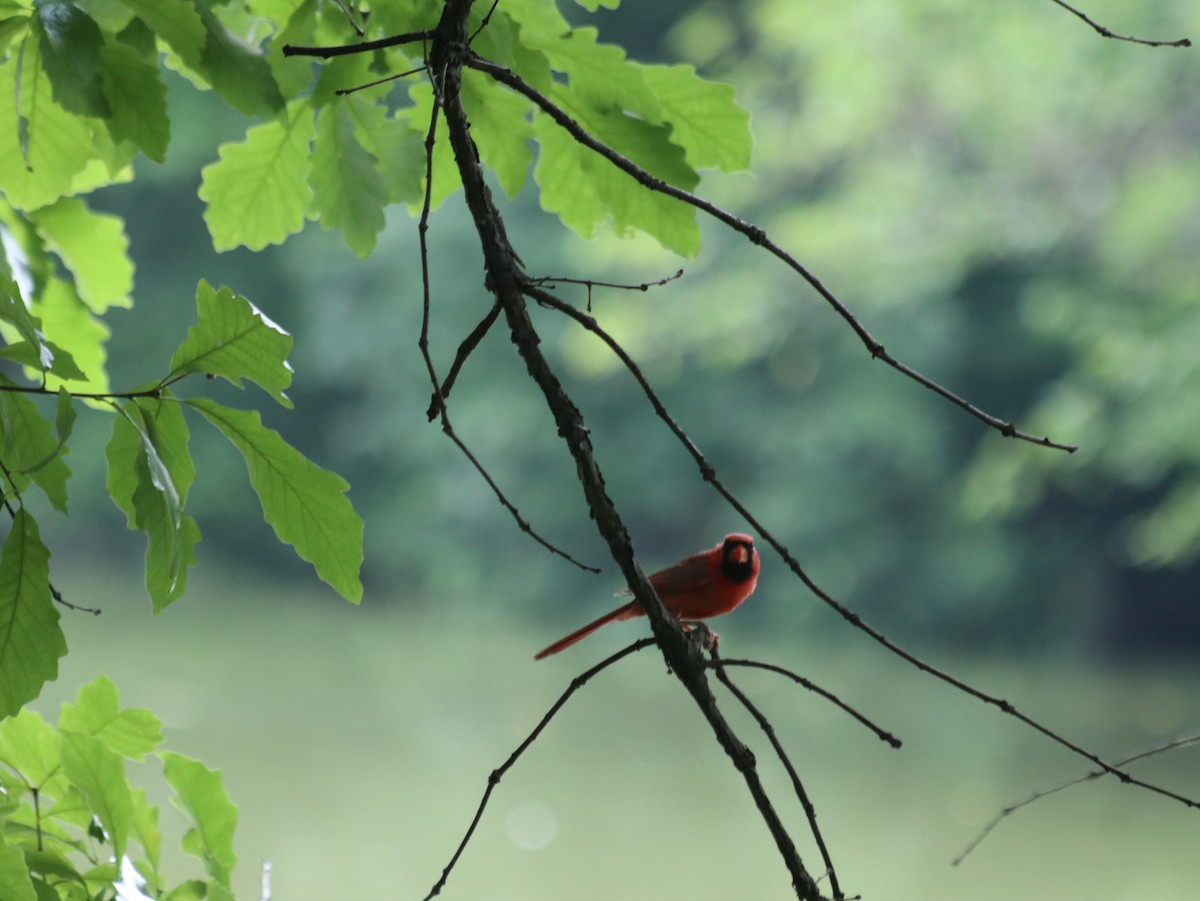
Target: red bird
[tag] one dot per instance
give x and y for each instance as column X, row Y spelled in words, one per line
column 704, row 585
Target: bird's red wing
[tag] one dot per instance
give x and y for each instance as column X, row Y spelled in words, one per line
column 690, row 575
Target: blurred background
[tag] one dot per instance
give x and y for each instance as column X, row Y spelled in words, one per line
column 1009, row 202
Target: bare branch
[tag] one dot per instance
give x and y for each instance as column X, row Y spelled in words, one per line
column 1008, row 809
column 505, row 279
column 882, row 734
column 1105, row 32
column 469, row 343
column 709, row 474
column 756, row 236
column 437, row 407
column 395, row 40
column 797, row 786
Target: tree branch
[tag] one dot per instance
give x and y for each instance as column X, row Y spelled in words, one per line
column 1105, row 32
column 709, row 474
column 506, row 281
column 757, row 236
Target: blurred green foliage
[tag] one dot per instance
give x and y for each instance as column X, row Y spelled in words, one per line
column 1006, row 199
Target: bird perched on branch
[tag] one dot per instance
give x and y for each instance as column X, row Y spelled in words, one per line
column 704, row 585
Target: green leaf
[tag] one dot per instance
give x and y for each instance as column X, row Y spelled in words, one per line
column 15, row 313
column 145, row 827
column 15, row 884
column 149, row 471
column 349, row 192
column 64, row 416
column 579, row 185
column 201, row 794
column 598, row 74
column 77, row 332
column 99, row 773
column 32, row 451
column 49, row 863
column 30, row 747
column 305, row 504
column 192, row 890
column 501, row 127
column 257, row 192
column 237, row 70
column 705, row 121
column 446, row 179
column 70, row 43
column 566, row 186
column 30, row 638
column 138, row 99
column 94, row 247
column 110, row 15
column 11, row 25
column 177, row 23
column 398, row 150
column 234, row 340
column 33, row 350
column 48, row 147
column 131, row 733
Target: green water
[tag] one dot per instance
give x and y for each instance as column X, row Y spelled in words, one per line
column 357, row 742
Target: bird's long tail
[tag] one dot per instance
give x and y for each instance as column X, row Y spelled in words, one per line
column 626, row 612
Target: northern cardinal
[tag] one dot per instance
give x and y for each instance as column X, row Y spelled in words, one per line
column 701, row 586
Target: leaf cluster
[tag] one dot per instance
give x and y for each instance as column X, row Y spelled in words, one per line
column 150, row 471
column 72, row 825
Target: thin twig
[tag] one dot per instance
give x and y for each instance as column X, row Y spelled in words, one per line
column 594, row 283
column 1105, row 32
column 797, row 786
column 358, row 29
column 469, row 343
column 709, row 474
column 497, row 774
column 57, row 595
column 438, row 404
column 882, row 734
column 394, row 40
column 759, row 237
column 343, row 92
column 1090, row 775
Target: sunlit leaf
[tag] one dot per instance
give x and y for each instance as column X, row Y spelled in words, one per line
column 30, row 747
column 94, row 247
column 96, row 711
column 42, row 146
column 234, row 340
column 99, row 772
column 200, row 793
column 257, row 192
column 705, row 121
column 74, row 328
column 15, row 884
column 502, row 127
